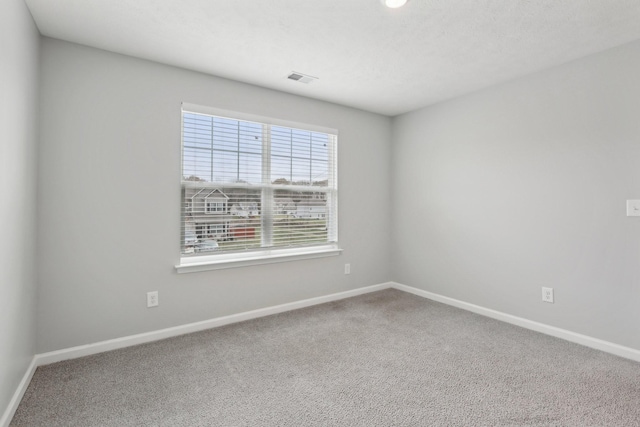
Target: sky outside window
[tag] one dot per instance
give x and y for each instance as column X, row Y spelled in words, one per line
column 225, row 150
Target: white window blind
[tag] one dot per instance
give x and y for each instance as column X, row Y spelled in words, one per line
column 251, row 185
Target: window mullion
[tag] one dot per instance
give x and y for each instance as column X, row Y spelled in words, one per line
column 212, row 145
column 238, row 154
column 267, row 189
column 310, row 158
column 332, row 196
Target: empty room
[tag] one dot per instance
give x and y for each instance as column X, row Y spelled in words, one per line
column 320, row 213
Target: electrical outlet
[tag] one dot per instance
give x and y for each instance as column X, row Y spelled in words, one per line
column 547, row 295
column 347, row 269
column 633, row 207
column 152, row 299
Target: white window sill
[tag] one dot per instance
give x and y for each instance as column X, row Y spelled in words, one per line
column 222, row 261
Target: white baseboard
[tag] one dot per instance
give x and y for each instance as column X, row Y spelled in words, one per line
column 128, row 341
column 102, row 346
column 564, row 334
column 131, row 340
column 99, row 347
column 17, row 396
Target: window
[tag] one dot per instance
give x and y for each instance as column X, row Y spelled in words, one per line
column 261, row 188
column 213, row 207
column 215, row 229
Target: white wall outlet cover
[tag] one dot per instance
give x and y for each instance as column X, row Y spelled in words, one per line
column 547, row 294
column 633, row 207
column 152, row 299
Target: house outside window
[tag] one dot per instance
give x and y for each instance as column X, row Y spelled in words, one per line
column 256, row 186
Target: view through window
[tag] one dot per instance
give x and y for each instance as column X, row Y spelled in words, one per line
column 250, row 186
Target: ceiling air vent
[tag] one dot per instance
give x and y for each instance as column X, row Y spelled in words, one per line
column 302, row 78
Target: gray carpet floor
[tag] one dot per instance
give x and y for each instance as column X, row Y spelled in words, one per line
column 383, row 359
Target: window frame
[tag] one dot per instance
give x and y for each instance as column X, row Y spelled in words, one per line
column 263, row 255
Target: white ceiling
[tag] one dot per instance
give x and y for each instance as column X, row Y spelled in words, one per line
column 388, row 61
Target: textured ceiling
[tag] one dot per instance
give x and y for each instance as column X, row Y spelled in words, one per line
column 388, row 61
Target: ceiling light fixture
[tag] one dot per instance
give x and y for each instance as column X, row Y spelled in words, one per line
column 393, row 4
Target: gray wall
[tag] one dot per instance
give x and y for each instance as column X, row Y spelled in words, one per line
column 19, row 52
column 110, row 199
column 523, row 185
column 493, row 195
